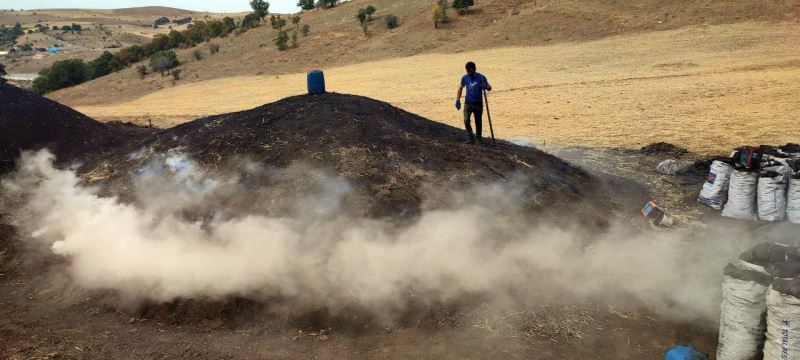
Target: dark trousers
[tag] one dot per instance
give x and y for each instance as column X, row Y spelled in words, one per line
column 477, row 110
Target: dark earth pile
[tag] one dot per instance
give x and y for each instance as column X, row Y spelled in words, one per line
column 395, row 160
column 29, row 121
column 663, row 148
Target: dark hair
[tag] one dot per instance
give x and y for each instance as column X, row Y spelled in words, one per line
column 471, row 66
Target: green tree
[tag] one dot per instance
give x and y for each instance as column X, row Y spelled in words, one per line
column 103, row 65
column 250, row 21
column 260, row 8
column 175, row 39
column 277, row 22
column 163, row 61
column 61, row 74
column 296, row 21
column 370, row 10
column 17, row 30
column 361, row 16
column 327, row 4
column 228, row 25
column 159, row 43
column 215, row 28
column 282, row 40
column 306, row 4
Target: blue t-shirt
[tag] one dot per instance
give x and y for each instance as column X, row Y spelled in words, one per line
column 475, row 86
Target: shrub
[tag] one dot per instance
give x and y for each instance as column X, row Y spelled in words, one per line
column 163, row 61
column 437, row 15
column 141, row 70
column 305, row 29
column 444, row 5
column 176, row 74
column 250, row 21
column 294, row 39
column 2, row 73
column 282, row 40
column 462, row 5
column 197, row 54
column 213, row 48
column 61, row 74
column 391, row 21
column 296, row 21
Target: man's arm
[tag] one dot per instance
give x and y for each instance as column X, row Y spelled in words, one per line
column 486, row 84
column 458, row 97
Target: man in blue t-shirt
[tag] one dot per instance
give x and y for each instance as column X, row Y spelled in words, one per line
column 473, row 102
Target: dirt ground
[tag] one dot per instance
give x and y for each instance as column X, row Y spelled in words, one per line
column 707, row 88
column 45, row 319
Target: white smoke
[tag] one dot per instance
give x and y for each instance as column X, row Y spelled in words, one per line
column 322, row 257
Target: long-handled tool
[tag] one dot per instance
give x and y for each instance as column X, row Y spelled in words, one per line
column 489, row 115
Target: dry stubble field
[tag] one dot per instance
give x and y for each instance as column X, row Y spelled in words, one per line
column 707, row 88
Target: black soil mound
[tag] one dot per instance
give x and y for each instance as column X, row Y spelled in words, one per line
column 29, row 121
column 397, row 161
column 664, row 149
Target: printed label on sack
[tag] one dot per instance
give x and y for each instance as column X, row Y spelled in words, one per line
column 711, row 177
column 785, row 340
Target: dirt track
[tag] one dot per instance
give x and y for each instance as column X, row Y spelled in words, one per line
column 705, row 88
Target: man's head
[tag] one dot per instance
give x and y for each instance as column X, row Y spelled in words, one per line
column 471, row 68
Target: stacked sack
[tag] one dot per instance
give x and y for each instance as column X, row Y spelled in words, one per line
column 783, row 313
column 793, row 196
column 743, row 309
column 754, row 185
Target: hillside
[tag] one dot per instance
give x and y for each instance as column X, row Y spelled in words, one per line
column 336, row 38
column 706, row 88
column 102, row 30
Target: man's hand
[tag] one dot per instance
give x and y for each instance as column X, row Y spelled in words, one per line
column 458, row 104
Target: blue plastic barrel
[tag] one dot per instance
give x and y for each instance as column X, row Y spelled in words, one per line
column 316, row 82
column 683, row 352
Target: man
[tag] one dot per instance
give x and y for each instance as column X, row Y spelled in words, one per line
column 473, row 102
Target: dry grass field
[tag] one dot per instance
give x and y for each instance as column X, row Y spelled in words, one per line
column 707, row 88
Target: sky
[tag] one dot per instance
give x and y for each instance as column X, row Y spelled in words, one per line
column 282, row 6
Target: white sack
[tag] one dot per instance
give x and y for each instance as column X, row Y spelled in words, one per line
column 715, row 189
column 783, row 326
column 793, row 201
column 742, row 196
column 742, row 317
column 674, row 167
column 772, row 194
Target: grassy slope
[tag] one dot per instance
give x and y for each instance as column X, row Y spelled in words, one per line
column 336, row 37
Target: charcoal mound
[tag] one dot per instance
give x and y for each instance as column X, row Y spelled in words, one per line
column 396, row 160
column 29, row 121
column 664, row 149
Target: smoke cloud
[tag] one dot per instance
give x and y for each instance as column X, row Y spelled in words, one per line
column 321, row 256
